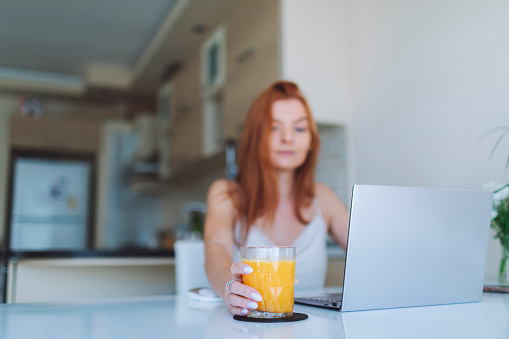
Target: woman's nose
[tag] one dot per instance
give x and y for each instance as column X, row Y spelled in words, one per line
column 287, row 135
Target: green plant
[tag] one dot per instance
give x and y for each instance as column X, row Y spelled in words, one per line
column 500, row 219
column 505, row 130
column 500, row 224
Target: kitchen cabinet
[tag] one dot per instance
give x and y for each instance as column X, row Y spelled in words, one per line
column 186, row 131
column 252, row 59
column 84, row 279
column 76, row 135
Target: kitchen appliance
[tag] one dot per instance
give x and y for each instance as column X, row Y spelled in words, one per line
column 50, row 201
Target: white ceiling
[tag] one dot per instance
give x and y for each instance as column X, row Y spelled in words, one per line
column 64, row 36
column 122, row 45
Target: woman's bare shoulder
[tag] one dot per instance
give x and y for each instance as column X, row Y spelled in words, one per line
column 329, row 202
column 322, row 191
column 221, row 196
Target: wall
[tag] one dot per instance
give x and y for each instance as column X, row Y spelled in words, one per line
column 314, row 53
column 428, row 79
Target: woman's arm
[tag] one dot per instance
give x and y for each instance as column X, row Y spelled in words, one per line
column 219, row 237
column 335, row 214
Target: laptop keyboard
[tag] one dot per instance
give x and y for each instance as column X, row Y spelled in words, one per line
column 332, row 300
column 328, row 301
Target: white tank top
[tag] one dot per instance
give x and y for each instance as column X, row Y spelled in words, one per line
column 311, row 250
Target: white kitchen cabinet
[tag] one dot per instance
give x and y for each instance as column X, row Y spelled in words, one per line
column 84, row 279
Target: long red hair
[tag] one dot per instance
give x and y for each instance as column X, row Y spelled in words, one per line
column 256, row 193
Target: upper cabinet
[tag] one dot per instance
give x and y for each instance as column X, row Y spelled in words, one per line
column 186, row 131
column 252, row 60
column 81, row 136
column 251, row 45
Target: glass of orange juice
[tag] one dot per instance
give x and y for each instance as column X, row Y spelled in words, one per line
column 273, row 276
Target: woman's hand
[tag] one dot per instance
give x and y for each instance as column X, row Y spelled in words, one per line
column 242, row 298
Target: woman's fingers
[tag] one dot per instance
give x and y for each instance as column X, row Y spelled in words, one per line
column 241, row 268
column 241, row 298
column 238, row 310
column 238, row 301
column 245, row 291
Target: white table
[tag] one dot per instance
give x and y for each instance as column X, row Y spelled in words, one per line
column 176, row 317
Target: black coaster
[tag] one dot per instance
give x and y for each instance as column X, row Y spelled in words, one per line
column 294, row 317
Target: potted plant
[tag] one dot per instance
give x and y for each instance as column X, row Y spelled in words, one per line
column 500, row 224
column 500, row 215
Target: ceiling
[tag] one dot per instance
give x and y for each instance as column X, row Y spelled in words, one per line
column 76, row 47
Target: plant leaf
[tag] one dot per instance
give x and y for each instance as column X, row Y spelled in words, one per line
column 498, row 142
column 501, row 188
column 493, row 130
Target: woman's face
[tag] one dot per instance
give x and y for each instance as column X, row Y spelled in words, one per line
column 290, row 139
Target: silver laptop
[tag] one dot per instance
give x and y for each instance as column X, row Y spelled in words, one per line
column 412, row 247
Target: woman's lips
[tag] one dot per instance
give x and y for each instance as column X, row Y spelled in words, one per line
column 285, row 153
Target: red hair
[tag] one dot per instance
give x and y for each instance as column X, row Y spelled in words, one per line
column 256, row 194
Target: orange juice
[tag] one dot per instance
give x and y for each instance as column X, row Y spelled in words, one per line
column 274, row 280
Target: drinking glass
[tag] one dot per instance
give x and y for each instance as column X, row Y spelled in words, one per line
column 273, row 276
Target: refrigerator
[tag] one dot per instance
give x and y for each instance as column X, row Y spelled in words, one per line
column 50, row 202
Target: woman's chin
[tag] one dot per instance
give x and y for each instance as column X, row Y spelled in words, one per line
column 286, row 167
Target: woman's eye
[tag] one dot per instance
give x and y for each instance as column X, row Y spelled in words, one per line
column 300, row 129
column 274, row 128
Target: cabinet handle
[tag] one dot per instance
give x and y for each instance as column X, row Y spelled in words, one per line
column 244, row 55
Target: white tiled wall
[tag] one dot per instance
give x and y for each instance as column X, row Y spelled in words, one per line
column 332, row 164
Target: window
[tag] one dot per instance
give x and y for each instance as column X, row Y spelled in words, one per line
column 165, row 106
column 213, row 62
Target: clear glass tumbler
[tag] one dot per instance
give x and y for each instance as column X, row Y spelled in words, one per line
column 273, row 276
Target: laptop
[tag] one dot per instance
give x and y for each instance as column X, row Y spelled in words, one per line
column 411, row 247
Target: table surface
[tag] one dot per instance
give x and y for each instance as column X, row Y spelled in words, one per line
column 176, row 317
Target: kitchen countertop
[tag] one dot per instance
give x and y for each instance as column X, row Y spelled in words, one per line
column 177, row 317
column 120, row 253
column 334, row 252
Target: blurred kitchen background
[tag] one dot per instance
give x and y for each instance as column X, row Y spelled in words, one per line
column 122, row 121
column 116, row 115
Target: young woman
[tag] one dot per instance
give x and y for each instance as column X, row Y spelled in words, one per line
column 274, row 200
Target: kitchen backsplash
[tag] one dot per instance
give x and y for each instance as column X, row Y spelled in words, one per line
column 332, row 167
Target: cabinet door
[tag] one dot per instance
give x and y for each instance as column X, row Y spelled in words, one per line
column 186, row 131
column 252, row 58
column 85, row 279
column 47, row 133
